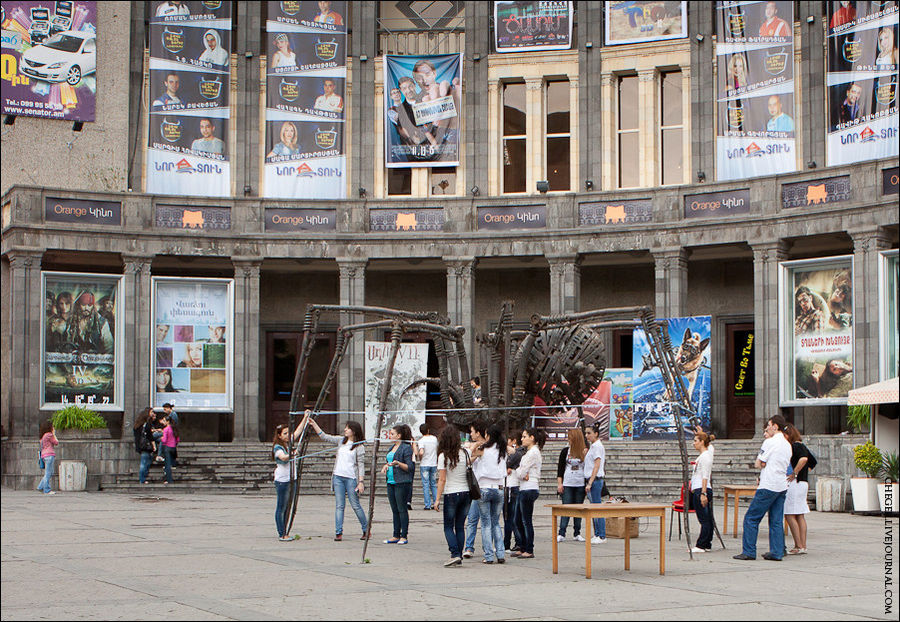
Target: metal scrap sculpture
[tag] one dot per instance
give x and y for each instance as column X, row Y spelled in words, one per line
column 560, row 359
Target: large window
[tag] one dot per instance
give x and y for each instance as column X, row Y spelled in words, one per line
column 671, row 128
column 558, row 135
column 628, row 132
column 514, row 130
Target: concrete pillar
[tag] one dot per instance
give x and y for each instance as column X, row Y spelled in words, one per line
column 671, row 282
column 461, row 299
column 494, row 168
column 351, row 379
column 362, row 108
column 26, row 325
column 477, row 103
column 137, row 335
column 575, row 183
column 809, row 111
column 867, row 245
column 245, row 161
column 766, row 257
column 246, row 361
column 701, row 21
column 608, row 137
column 648, row 123
column 590, row 107
column 565, row 284
column 534, row 120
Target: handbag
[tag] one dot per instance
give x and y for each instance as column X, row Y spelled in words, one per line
column 41, row 460
column 472, row 481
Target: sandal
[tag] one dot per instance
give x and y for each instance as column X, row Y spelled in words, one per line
column 526, row 556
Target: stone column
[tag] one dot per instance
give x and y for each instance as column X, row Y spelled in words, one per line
column 494, row 170
column 671, row 282
column 575, row 182
column 867, row 244
column 565, row 284
column 246, row 358
column 352, row 375
column 26, row 325
column 766, row 257
column 608, row 134
column 138, row 336
column 648, row 124
column 534, row 111
column 461, row 300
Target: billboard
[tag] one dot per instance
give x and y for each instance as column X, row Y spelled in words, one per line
column 410, row 365
column 532, row 26
column 621, row 416
column 640, row 22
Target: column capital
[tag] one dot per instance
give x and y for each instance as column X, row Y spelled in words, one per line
column 137, row 264
column 606, row 79
column 25, row 257
column 647, row 75
column 770, row 251
column 460, row 266
column 670, row 257
column 871, row 239
column 351, row 267
column 249, row 268
column 534, row 83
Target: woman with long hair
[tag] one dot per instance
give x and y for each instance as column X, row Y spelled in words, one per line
column 594, row 473
column 282, row 476
column 453, row 490
column 529, row 473
column 289, row 144
column 795, row 506
column 570, row 479
column 701, row 490
column 398, row 471
column 48, row 454
column 170, row 439
column 164, row 381
column 489, row 467
column 284, row 55
column 144, row 443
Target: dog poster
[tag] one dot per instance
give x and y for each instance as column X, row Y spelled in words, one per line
column 654, row 407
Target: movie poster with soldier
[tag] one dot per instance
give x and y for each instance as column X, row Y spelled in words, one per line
column 306, row 79
column 189, row 82
column 861, row 82
column 422, row 99
column 407, row 407
column 816, row 302
column 755, row 131
column 81, row 351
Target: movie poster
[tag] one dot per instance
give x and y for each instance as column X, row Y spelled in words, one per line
column 81, row 351
column 640, row 22
column 816, row 309
column 410, row 365
column 532, row 26
column 755, row 132
column 654, row 408
column 192, row 352
column 190, row 78
column 422, row 106
column 862, row 81
column 306, row 85
column 49, row 59
column 889, row 301
column 621, row 416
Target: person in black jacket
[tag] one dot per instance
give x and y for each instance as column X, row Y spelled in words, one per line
column 512, row 520
column 398, row 470
column 143, row 441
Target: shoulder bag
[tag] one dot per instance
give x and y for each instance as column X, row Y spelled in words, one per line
column 471, row 480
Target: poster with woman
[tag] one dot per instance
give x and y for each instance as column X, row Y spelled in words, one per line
column 410, row 365
column 192, row 345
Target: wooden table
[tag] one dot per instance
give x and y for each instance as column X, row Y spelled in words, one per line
column 737, row 492
column 587, row 512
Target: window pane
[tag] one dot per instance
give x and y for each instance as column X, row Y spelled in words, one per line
column 672, row 154
column 558, row 107
column 514, row 110
column 671, row 98
column 443, row 180
column 628, row 103
column 514, row 165
column 629, row 165
column 399, row 180
column 558, row 163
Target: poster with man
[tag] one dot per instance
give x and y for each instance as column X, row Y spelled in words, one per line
column 755, row 133
column 410, row 365
column 422, row 106
column 80, row 348
column 532, row 26
column 862, row 82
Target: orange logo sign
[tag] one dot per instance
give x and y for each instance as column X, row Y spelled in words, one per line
column 406, row 221
column 191, row 219
column 615, row 213
column 816, row 194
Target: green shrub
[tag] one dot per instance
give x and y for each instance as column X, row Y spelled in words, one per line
column 78, row 418
column 890, row 467
column 858, row 416
column 867, row 458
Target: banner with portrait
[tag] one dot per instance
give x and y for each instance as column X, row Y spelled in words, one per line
column 816, row 331
column 193, row 343
column 81, row 352
column 755, row 132
column 861, row 81
column 49, row 59
column 190, row 79
column 532, row 26
column 422, row 108
column 410, row 365
column 640, row 22
column 306, row 80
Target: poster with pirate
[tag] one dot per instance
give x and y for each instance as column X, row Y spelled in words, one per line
column 654, row 408
column 306, row 112
column 80, row 348
column 189, row 81
column 403, row 406
column 816, row 303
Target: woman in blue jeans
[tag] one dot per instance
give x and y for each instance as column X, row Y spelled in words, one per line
column 48, row 455
column 144, row 443
column 490, row 470
column 529, row 473
column 594, row 472
column 398, row 471
column 453, row 491
column 283, row 476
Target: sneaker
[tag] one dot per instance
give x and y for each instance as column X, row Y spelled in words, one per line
column 597, row 540
column 285, row 538
column 468, row 553
column 453, row 561
column 771, row 557
column 338, row 537
column 501, row 560
column 742, row 557
column 560, row 538
column 402, row 541
column 51, row 492
column 579, row 538
column 697, row 549
column 487, row 561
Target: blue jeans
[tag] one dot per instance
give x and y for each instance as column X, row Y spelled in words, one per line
column 429, row 485
column 705, row 516
column 397, row 496
column 44, row 486
column 773, row 503
column 526, row 507
column 599, row 523
column 472, row 526
column 490, row 506
column 169, row 455
column 456, row 506
column 282, row 492
column 346, row 487
column 571, row 494
column 146, row 459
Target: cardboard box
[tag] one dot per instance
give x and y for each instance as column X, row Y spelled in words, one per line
column 615, row 527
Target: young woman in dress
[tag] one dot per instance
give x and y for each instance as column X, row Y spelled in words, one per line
column 529, row 473
column 795, row 506
column 398, row 471
column 453, row 491
column 570, row 479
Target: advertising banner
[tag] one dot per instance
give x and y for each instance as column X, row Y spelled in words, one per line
column 506, row 218
column 84, row 212
column 816, row 312
column 755, row 86
column 80, row 350
column 422, row 106
column 306, row 78
column 621, row 416
column 190, row 77
column 889, row 301
column 49, row 59
column 627, row 212
column 192, row 343
column 861, row 81
column 286, row 219
column 711, row 204
column 890, row 180
column 411, row 365
column 640, row 22
column 654, row 410
column 532, row 26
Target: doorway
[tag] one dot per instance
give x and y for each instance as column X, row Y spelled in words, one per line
column 740, row 380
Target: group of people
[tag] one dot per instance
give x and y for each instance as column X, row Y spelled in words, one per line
column 156, row 439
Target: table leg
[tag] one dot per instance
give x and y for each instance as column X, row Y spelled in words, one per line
column 662, row 543
column 555, row 545
column 725, row 518
column 627, row 545
column 737, row 498
column 588, row 526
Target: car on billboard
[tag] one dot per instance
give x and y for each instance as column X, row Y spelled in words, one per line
column 40, row 24
column 66, row 56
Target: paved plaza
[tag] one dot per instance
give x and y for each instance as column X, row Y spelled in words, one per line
column 215, row 557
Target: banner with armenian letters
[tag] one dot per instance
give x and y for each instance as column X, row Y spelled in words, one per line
column 190, row 76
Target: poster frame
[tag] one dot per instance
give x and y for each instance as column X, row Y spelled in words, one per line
column 606, row 31
column 568, row 45
column 887, row 295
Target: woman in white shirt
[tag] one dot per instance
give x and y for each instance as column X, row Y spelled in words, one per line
column 282, row 477
column 453, row 490
column 594, row 472
column 529, row 473
column 428, row 464
column 489, row 467
column 701, row 491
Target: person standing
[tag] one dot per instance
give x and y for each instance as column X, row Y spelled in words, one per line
column 282, row 476
column 795, row 506
column 428, row 446
column 570, row 480
column 489, row 468
column 398, row 471
column 169, row 442
column 701, row 490
column 774, row 458
column 513, row 520
column 529, row 473
column 594, row 473
column 144, row 442
column 476, row 436
column 453, row 490
column 48, row 455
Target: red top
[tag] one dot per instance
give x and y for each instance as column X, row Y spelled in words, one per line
column 48, row 444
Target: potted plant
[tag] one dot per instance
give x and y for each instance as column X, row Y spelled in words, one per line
column 859, row 416
column 77, row 422
column 887, row 489
column 867, row 458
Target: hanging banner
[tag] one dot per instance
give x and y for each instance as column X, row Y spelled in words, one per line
column 410, row 365
column 862, row 82
column 306, row 79
column 190, row 77
column 654, row 410
column 80, row 349
column 532, row 26
column 49, row 59
column 816, row 331
column 192, row 343
column 621, row 416
column 640, row 22
column 755, row 86
column 422, row 106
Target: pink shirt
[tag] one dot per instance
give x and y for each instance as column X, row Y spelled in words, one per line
column 168, row 437
column 48, row 443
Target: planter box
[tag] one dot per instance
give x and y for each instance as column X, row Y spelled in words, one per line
column 829, row 494
column 615, row 527
column 74, row 434
column 865, row 494
column 72, row 475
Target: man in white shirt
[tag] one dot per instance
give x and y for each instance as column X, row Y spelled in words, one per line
column 329, row 100
column 428, row 464
column 774, row 458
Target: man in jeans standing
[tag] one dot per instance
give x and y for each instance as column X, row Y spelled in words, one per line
column 774, row 458
column 428, row 465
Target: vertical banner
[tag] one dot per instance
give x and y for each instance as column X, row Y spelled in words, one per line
column 862, row 81
column 755, row 89
column 422, row 99
column 49, row 59
column 816, row 331
column 889, row 301
column 190, row 78
column 306, row 78
column 192, row 343
column 80, row 348
column 532, row 26
column 654, row 410
column 640, row 22
column 411, row 365
column 621, row 417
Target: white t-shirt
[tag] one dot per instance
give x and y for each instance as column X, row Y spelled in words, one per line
column 489, row 469
column 776, row 453
column 596, row 451
column 530, row 466
column 428, row 444
column 456, row 477
column 282, row 471
column 345, row 464
column 702, row 470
